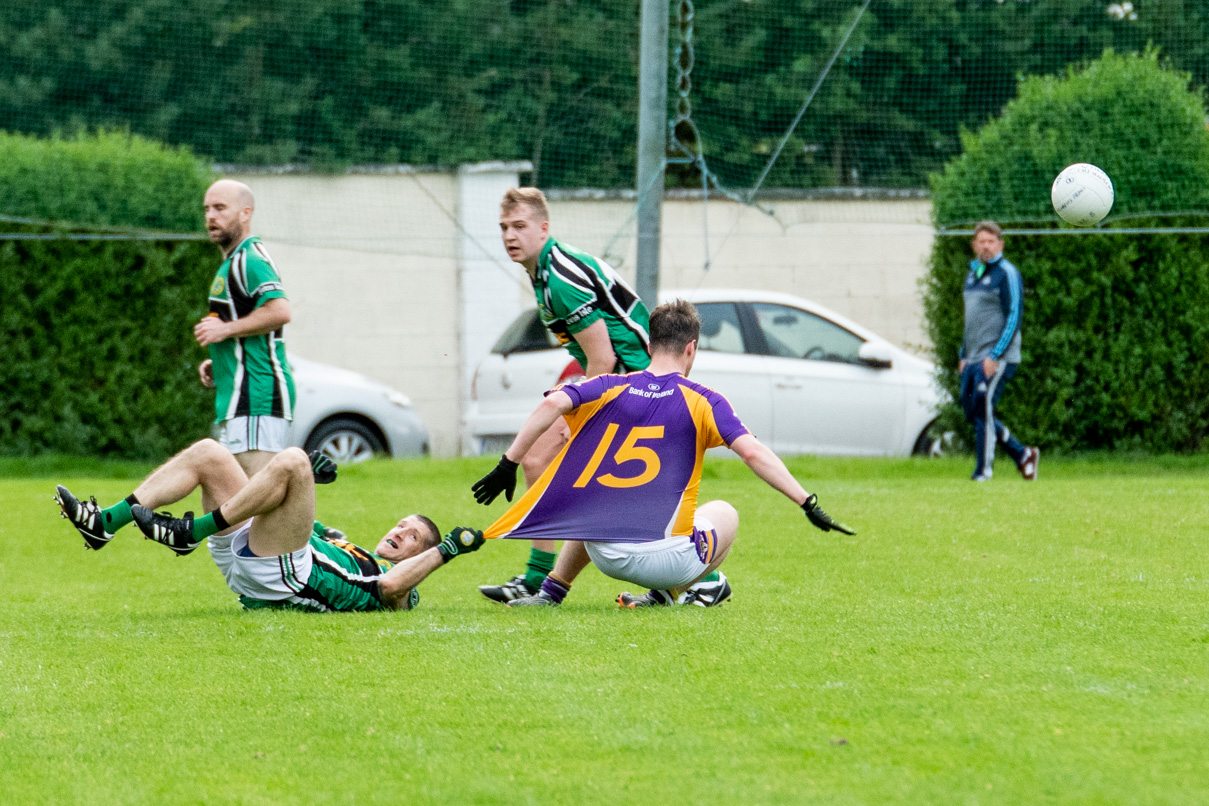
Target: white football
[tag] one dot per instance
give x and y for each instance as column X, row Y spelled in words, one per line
column 1082, row 194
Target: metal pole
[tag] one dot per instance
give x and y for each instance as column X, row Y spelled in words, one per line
column 652, row 143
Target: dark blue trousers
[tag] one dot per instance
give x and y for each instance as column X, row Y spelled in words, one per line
column 979, row 396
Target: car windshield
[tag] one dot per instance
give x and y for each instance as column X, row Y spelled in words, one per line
column 792, row 333
column 526, row 334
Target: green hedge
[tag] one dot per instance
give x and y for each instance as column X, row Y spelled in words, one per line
column 106, row 180
column 98, row 351
column 1116, row 326
column 99, row 357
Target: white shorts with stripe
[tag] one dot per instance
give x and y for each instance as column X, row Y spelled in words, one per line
column 268, row 578
column 242, row 434
column 660, row 564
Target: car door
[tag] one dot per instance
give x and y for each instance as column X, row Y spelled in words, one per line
column 824, row 399
column 509, row 382
column 725, row 364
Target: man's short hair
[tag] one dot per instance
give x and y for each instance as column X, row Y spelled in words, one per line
column 434, row 534
column 673, row 325
column 988, row 226
column 532, row 198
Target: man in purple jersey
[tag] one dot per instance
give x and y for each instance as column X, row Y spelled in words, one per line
column 623, row 493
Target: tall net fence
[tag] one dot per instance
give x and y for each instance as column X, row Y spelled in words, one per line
column 764, row 95
column 811, row 144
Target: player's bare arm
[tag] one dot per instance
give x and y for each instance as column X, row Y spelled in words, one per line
column 553, row 406
column 769, row 467
column 598, row 347
column 266, row 319
column 395, row 585
column 502, row 478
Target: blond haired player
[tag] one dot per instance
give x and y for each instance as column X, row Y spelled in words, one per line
column 592, row 312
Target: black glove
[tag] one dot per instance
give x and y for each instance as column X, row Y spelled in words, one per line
column 323, row 467
column 821, row 519
column 502, row 479
column 460, row 540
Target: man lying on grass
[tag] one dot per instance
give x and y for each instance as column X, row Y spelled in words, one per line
column 263, row 534
column 623, row 492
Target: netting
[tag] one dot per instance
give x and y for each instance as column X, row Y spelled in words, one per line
column 378, row 136
column 333, row 83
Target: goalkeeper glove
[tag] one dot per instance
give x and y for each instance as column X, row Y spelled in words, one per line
column 323, row 467
column 821, row 519
column 461, row 540
column 502, row 479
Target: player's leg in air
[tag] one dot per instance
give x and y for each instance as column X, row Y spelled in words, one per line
column 271, row 559
column 204, row 464
column 676, row 570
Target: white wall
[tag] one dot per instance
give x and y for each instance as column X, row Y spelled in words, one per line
column 369, row 263
column 400, row 275
column 862, row 259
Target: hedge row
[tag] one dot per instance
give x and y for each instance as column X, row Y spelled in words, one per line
column 98, row 356
column 106, row 180
column 1116, row 326
column 1115, row 342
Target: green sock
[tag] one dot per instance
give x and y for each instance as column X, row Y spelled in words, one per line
column 541, row 563
column 118, row 515
column 209, row 524
column 712, row 576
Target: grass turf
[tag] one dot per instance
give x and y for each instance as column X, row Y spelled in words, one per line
column 975, row 643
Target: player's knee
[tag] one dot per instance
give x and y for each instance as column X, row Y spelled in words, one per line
column 722, row 515
column 206, row 449
column 295, row 461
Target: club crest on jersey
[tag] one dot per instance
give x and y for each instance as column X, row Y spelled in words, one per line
column 218, row 287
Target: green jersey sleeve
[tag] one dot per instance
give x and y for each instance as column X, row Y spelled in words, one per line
column 260, row 280
column 573, row 304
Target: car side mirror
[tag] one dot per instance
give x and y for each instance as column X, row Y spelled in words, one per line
column 875, row 354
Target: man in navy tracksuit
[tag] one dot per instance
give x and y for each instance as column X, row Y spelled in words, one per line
column 990, row 350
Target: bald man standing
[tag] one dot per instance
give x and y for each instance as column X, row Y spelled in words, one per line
column 247, row 366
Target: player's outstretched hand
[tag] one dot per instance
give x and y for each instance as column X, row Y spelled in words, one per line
column 323, row 467
column 821, row 519
column 460, row 540
column 501, row 479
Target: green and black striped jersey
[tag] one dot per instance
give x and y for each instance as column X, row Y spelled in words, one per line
column 344, row 577
column 251, row 374
column 574, row 290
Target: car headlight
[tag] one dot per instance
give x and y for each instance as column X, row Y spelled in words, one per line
column 398, row 398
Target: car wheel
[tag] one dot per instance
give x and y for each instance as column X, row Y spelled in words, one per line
column 345, row 441
column 933, row 442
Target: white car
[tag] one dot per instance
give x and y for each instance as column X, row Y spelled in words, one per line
column 351, row 417
column 803, row 379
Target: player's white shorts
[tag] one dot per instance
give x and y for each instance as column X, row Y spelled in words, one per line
column 660, row 564
column 267, row 578
column 242, row 434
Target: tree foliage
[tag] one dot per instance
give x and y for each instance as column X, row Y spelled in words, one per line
column 332, row 82
column 1116, row 326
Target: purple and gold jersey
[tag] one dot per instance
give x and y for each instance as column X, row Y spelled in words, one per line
column 631, row 471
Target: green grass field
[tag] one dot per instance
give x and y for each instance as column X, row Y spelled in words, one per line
column 998, row 643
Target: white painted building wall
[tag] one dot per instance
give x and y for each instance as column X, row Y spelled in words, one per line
column 400, row 275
